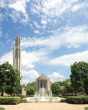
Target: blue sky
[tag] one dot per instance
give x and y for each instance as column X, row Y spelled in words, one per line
column 54, row 34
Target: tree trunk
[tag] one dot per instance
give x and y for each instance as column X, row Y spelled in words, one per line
column 2, row 93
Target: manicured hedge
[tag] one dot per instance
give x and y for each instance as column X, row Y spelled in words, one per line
column 10, row 100
column 23, row 100
column 77, row 99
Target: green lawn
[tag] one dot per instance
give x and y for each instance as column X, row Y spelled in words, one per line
column 2, row 109
column 86, row 108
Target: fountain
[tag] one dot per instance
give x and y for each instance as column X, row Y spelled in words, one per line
column 43, row 96
column 43, row 90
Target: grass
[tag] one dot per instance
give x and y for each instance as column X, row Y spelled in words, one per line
column 2, row 109
column 86, row 108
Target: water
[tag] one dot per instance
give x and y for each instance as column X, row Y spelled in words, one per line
column 42, row 100
column 43, row 96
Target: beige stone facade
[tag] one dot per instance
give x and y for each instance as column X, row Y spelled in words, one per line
column 17, row 55
column 23, row 91
column 42, row 82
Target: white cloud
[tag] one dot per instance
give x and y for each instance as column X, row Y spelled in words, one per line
column 71, row 37
column 28, row 60
column 54, row 77
column 26, row 19
column 36, row 24
column 56, row 8
column 25, row 81
column 68, row 60
column 43, row 22
column 36, row 31
column 2, row 3
column 75, row 37
column 31, row 75
column 28, row 42
column 7, row 57
column 15, row 16
column 31, row 25
column 79, row 6
column 18, row 14
column 53, row 8
column 19, row 6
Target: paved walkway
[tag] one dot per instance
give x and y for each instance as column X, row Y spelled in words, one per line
column 44, row 106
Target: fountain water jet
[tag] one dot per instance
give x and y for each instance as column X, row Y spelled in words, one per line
column 43, row 96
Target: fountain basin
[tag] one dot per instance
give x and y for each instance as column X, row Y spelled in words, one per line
column 43, row 99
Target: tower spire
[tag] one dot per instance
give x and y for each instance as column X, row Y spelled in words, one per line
column 17, row 55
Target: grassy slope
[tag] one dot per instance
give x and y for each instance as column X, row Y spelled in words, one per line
column 2, row 109
column 86, row 108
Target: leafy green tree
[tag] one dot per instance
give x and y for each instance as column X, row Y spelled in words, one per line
column 55, row 87
column 65, row 87
column 30, row 89
column 79, row 76
column 68, row 86
column 61, row 83
column 9, row 80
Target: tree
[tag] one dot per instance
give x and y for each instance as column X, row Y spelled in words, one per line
column 55, row 87
column 68, row 86
column 61, row 83
column 9, row 80
column 79, row 76
column 30, row 89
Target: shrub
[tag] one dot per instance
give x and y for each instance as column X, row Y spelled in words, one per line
column 77, row 99
column 10, row 100
column 68, row 94
column 24, row 96
column 23, row 101
column 63, row 100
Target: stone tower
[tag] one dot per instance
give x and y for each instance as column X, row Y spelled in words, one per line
column 17, row 55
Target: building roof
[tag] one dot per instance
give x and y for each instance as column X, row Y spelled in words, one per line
column 42, row 76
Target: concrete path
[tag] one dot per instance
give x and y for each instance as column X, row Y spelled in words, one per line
column 44, row 106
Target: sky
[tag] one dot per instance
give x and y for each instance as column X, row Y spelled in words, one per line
column 54, row 34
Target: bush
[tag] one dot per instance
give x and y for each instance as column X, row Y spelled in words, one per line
column 10, row 100
column 24, row 96
column 63, row 100
column 68, row 94
column 77, row 99
column 23, row 101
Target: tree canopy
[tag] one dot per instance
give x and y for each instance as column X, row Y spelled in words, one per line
column 30, row 89
column 79, row 76
column 55, row 87
column 9, row 80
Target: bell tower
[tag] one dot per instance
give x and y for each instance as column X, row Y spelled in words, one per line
column 17, row 55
